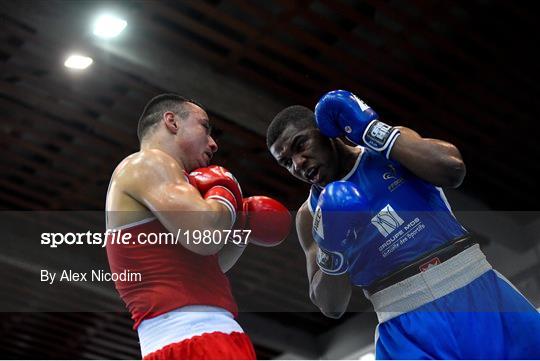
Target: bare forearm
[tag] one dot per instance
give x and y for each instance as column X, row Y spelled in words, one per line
column 204, row 217
column 229, row 255
column 330, row 293
column 435, row 161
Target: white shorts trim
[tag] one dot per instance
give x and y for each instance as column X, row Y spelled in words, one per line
column 182, row 324
column 428, row 286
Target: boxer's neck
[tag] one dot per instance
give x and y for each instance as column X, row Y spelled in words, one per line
column 168, row 147
column 347, row 157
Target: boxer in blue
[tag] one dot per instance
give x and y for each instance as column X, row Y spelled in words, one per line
column 376, row 217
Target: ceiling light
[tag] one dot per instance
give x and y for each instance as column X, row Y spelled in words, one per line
column 78, row 62
column 108, row 26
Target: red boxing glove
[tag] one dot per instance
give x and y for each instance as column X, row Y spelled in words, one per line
column 269, row 220
column 215, row 182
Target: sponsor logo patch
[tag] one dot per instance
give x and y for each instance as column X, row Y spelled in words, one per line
column 431, row 263
column 387, row 220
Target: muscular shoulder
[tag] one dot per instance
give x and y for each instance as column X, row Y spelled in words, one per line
column 147, row 168
column 303, row 213
column 147, row 164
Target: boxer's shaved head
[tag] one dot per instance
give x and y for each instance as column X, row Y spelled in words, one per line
column 296, row 144
column 154, row 109
column 297, row 115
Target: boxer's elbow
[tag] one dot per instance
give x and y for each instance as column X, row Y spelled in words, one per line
column 333, row 314
column 454, row 172
column 332, row 308
column 331, row 304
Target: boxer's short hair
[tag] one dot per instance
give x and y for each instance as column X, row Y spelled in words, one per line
column 297, row 115
column 154, row 109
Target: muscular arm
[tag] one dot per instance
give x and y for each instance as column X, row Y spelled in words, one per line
column 330, row 293
column 156, row 180
column 433, row 160
column 341, row 113
column 229, row 255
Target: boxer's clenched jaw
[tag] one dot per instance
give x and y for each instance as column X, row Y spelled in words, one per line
column 306, row 154
column 193, row 138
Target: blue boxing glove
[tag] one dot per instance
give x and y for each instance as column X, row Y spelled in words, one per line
column 339, row 218
column 340, row 112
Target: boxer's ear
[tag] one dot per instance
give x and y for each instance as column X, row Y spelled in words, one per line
column 171, row 122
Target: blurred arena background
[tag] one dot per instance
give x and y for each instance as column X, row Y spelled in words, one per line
column 466, row 72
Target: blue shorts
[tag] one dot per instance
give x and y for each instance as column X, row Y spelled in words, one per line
column 460, row 309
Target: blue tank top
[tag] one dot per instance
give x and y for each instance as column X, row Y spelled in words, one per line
column 409, row 218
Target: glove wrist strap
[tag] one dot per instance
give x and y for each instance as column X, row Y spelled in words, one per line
column 380, row 137
column 225, row 197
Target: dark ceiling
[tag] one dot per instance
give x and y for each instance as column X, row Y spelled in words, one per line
column 464, row 71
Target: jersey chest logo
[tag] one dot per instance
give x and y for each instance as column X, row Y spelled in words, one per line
column 394, row 177
column 391, row 174
column 387, row 220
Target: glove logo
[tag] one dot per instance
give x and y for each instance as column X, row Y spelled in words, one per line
column 332, row 263
column 387, row 220
column 379, row 133
column 324, row 259
column 318, row 224
column 363, row 106
column 229, row 174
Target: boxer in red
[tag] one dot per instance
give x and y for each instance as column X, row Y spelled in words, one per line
column 183, row 307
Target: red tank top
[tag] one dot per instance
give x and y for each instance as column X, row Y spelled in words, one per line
column 171, row 276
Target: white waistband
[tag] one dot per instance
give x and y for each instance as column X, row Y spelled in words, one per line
column 182, row 324
column 430, row 285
